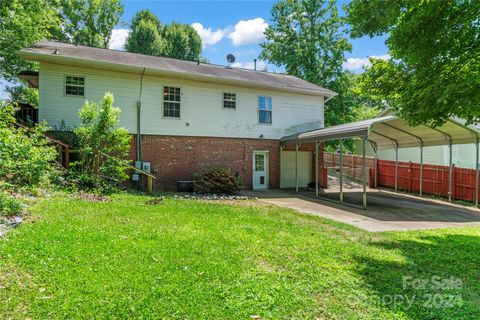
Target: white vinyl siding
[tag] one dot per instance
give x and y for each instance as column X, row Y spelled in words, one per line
column 201, row 114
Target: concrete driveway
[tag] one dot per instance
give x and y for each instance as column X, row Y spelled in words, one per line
column 387, row 211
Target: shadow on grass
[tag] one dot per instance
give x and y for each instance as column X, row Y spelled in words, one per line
column 439, row 277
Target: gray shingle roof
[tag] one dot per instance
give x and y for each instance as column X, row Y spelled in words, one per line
column 56, row 51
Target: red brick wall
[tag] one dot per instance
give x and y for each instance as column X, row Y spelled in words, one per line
column 176, row 158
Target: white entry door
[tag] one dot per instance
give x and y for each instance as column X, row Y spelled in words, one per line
column 260, row 170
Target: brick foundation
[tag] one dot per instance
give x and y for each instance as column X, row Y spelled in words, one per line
column 176, row 158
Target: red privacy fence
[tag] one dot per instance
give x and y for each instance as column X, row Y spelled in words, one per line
column 435, row 178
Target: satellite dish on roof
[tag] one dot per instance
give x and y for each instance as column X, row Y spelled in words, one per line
column 230, row 59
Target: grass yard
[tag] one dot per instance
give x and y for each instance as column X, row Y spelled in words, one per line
column 188, row 259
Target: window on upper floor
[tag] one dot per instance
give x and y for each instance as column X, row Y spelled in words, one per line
column 171, row 102
column 265, row 110
column 75, row 86
column 229, row 100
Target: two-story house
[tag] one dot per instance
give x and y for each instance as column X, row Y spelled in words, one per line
column 185, row 115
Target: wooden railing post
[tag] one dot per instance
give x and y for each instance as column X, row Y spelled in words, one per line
column 150, row 184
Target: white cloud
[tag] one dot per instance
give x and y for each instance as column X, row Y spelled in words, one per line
column 117, row 41
column 248, row 32
column 250, row 65
column 359, row 63
column 208, row 36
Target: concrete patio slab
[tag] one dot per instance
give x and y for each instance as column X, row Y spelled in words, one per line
column 387, row 211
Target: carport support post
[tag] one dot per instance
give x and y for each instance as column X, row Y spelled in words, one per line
column 364, row 171
column 296, row 167
column 396, row 167
column 450, row 171
column 421, row 169
column 341, row 170
column 316, row 168
column 477, row 169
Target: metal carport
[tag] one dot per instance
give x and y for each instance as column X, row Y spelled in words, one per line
column 386, row 133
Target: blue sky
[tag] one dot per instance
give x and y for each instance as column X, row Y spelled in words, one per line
column 231, row 26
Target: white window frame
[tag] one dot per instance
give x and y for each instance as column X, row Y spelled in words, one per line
column 223, row 100
column 179, row 102
column 271, row 110
column 74, row 85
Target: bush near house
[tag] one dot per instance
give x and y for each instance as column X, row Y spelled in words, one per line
column 9, row 205
column 26, row 159
column 216, row 180
column 104, row 147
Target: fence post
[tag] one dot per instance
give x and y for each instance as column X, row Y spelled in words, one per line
column 316, row 168
column 410, row 176
column 341, row 170
column 477, row 168
column 421, row 169
column 296, row 167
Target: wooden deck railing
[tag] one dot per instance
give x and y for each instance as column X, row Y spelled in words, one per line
column 63, row 149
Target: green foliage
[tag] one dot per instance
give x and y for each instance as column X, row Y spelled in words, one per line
column 22, row 93
column 216, row 180
column 104, row 146
column 381, row 83
column 22, row 22
column 25, row 157
column 436, row 50
column 9, row 206
column 182, row 42
column 149, row 36
column 87, row 22
column 307, row 38
column 145, row 39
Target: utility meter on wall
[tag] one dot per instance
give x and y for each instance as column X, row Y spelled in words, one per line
column 147, row 166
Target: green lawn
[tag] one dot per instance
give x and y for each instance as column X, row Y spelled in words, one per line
column 188, row 259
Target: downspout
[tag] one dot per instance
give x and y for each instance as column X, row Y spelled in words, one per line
column 139, row 131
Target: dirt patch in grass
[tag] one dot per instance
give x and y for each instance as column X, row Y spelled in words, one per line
column 91, row 197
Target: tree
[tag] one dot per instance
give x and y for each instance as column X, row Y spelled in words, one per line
column 381, row 83
column 307, row 38
column 149, row 36
column 104, row 146
column 24, row 94
column 22, row 148
column 144, row 38
column 436, row 50
column 22, row 22
column 87, row 22
column 182, row 42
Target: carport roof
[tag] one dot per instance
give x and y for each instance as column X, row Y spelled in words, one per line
column 389, row 131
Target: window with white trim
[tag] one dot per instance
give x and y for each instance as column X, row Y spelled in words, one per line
column 171, row 102
column 75, row 86
column 265, row 110
column 229, row 100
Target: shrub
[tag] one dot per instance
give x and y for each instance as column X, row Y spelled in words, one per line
column 9, row 206
column 104, row 146
column 25, row 156
column 216, row 180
